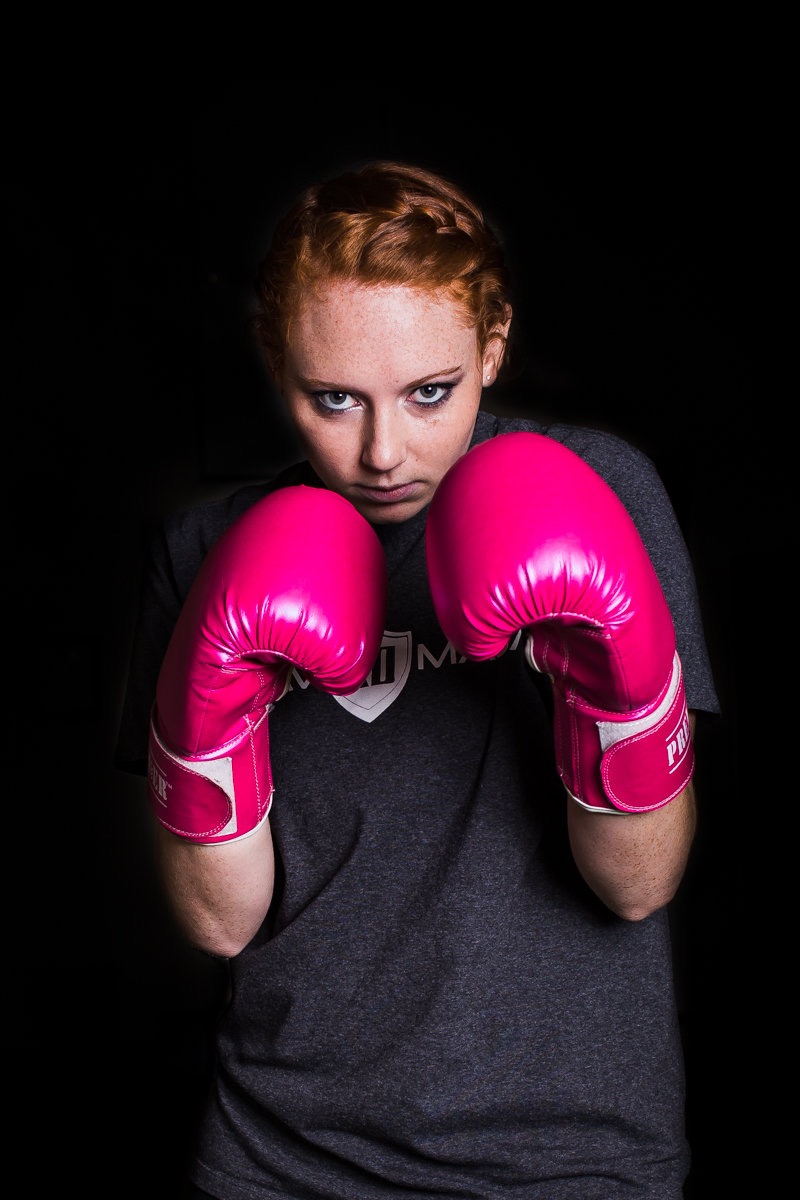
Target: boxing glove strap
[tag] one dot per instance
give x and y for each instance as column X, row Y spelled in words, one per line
column 216, row 797
column 644, row 761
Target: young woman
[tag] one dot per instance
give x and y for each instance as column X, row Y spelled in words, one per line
column 418, row 716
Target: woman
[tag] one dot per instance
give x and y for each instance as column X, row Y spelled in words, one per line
column 374, row 756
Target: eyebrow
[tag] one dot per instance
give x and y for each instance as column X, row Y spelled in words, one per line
column 313, row 384
column 436, row 375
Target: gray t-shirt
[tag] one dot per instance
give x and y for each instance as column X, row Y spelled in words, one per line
column 437, row 1005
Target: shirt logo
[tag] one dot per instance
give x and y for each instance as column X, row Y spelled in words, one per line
column 385, row 681
column 391, row 671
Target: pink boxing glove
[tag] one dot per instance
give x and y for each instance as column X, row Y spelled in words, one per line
column 523, row 535
column 298, row 581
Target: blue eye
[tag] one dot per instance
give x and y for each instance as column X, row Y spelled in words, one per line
column 432, row 393
column 335, row 401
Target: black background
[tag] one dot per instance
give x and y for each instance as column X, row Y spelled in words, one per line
column 135, row 224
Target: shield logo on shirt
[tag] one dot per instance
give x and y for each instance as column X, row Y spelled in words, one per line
column 385, row 681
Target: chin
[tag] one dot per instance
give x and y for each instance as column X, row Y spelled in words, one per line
column 389, row 514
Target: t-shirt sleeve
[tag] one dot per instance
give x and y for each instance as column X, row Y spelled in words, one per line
column 176, row 551
column 635, row 480
column 160, row 602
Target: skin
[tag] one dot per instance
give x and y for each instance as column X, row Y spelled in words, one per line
column 383, row 385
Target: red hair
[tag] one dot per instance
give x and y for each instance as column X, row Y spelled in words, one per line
column 387, row 223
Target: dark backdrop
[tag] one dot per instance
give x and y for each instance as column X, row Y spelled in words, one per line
column 135, row 227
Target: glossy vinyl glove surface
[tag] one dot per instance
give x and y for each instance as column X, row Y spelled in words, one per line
column 298, row 581
column 523, row 535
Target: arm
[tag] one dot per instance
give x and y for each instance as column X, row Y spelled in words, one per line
column 523, row 535
column 634, row 863
column 299, row 581
column 220, row 894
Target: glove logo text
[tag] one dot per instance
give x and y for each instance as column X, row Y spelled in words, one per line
column 158, row 781
column 678, row 744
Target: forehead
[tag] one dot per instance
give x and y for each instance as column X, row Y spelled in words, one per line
column 341, row 321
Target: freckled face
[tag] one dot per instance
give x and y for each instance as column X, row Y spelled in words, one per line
column 383, row 385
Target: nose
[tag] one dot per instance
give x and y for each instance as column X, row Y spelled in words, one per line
column 384, row 444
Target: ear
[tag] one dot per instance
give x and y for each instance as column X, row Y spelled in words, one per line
column 495, row 349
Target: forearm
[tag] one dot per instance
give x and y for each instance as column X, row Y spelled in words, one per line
column 220, row 894
column 264, row 601
column 634, row 863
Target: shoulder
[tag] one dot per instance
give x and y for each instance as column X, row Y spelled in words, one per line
column 628, row 470
column 634, row 478
column 188, row 533
column 625, row 467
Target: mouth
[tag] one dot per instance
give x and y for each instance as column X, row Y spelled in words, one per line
column 399, row 494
